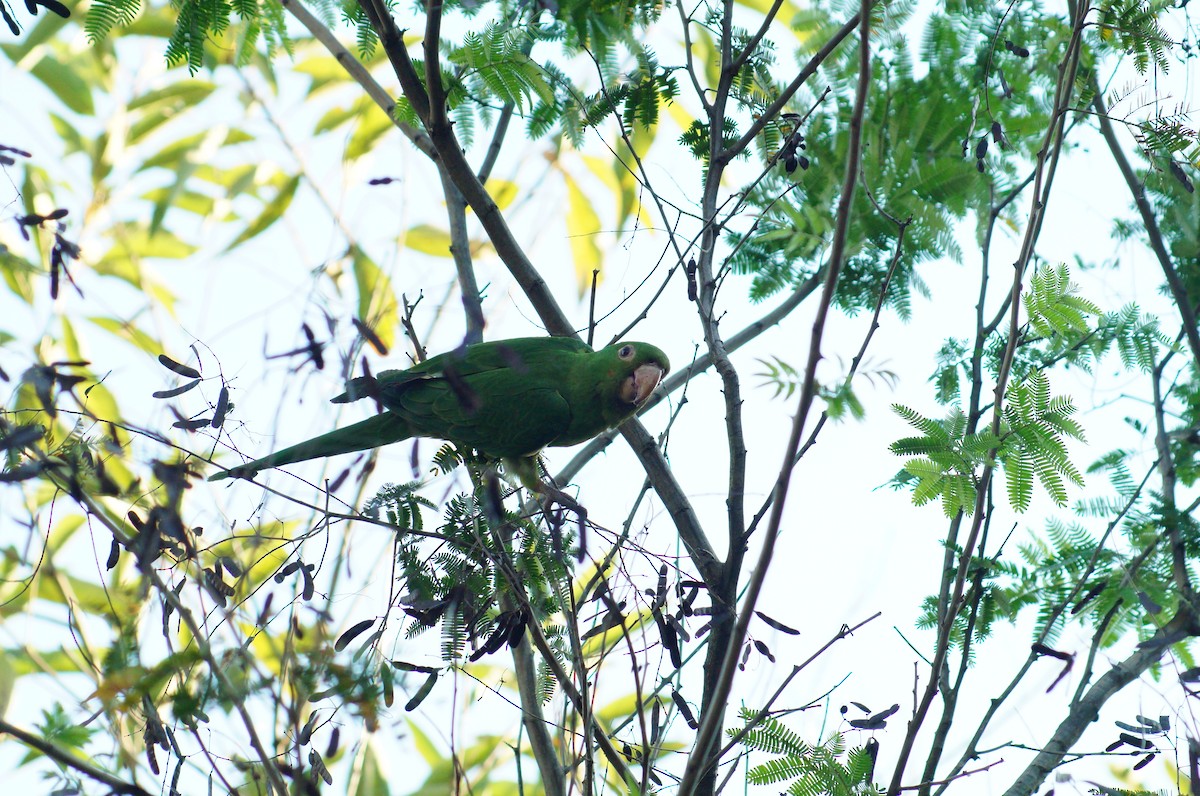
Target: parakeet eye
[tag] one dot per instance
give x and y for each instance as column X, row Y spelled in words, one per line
column 626, row 352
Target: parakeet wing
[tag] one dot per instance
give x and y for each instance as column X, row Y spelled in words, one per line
column 504, row 398
column 503, row 414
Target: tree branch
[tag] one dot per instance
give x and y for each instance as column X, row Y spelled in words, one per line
column 950, row 601
column 785, row 96
column 450, row 155
column 1087, row 710
column 65, row 758
column 358, row 72
column 700, row 761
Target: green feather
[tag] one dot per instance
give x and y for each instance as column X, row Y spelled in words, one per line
column 381, row 429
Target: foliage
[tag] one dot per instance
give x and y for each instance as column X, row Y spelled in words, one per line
column 826, row 768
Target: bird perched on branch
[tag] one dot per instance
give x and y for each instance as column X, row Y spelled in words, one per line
column 507, row 399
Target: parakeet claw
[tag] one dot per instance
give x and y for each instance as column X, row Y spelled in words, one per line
column 551, row 495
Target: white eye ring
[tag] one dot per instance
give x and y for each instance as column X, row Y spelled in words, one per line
column 626, row 352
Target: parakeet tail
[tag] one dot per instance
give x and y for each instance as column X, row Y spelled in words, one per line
column 382, row 429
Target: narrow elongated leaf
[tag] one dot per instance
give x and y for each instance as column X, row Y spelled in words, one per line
column 273, row 211
column 127, row 331
column 66, row 83
column 377, row 305
column 583, row 227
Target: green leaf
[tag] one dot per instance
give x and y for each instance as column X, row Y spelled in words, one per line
column 165, row 104
column 372, row 124
column 72, row 140
column 66, row 84
column 8, row 678
column 47, row 27
column 167, row 200
column 583, row 227
column 425, row 747
column 18, row 274
column 377, row 305
column 369, row 777
column 191, row 201
column 177, row 94
column 130, row 333
column 185, row 147
column 273, row 211
column 104, row 15
column 335, row 117
column 1054, row 307
column 134, row 242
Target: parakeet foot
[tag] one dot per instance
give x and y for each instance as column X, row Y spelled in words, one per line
column 549, row 495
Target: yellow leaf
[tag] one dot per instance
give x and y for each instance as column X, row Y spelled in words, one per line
column 324, row 70
column 680, row 115
column 605, row 171
column 612, row 637
column 377, row 305
column 372, row 124
column 586, row 575
column 705, row 54
column 583, row 226
column 7, row 678
column 133, row 242
column 271, row 212
column 428, row 239
column 630, row 204
column 618, row 709
column 130, row 333
column 101, row 402
column 503, row 192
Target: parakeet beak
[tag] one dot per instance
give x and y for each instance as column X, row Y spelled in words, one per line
column 638, row 385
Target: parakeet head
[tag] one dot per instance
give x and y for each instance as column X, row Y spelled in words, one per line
column 631, row 372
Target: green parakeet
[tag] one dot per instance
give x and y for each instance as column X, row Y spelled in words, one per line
column 507, row 399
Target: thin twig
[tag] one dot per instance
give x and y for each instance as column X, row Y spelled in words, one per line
column 762, row 713
column 231, row 692
column 950, row 600
column 358, row 72
column 700, row 762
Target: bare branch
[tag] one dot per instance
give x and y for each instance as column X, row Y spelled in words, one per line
column 65, row 758
column 1087, row 709
column 358, row 72
column 700, row 762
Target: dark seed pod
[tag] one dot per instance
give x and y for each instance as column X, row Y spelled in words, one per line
column 178, row 367
column 1016, row 49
